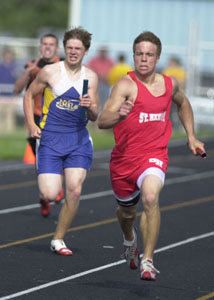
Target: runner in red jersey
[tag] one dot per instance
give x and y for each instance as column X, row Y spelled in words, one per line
column 138, row 109
column 141, row 137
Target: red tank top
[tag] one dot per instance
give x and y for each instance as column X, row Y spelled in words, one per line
column 147, row 128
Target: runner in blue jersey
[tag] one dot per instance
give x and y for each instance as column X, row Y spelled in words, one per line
column 65, row 144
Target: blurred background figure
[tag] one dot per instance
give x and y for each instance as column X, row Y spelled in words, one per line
column 48, row 49
column 101, row 64
column 119, row 70
column 8, row 71
column 175, row 69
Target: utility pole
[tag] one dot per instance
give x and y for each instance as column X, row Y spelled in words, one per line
column 74, row 13
column 193, row 60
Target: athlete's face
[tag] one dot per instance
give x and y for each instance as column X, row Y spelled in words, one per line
column 74, row 51
column 48, row 48
column 145, row 58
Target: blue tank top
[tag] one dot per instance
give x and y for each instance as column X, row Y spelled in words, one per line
column 60, row 105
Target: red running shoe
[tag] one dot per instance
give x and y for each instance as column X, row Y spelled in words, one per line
column 60, row 196
column 45, row 207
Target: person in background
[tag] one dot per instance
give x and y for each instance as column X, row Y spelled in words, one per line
column 101, row 64
column 120, row 69
column 8, row 71
column 48, row 49
column 175, row 69
column 65, row 144
column 138, row 110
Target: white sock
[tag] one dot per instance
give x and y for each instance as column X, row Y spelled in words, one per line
column 129, row 243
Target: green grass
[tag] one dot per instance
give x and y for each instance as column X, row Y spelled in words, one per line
column 199, row 135
column 12, row 146
column 102, row 139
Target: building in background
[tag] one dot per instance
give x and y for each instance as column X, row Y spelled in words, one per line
column 183, row 27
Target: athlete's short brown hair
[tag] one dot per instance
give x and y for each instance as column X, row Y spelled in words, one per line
column 148, row 36
column 80, row 34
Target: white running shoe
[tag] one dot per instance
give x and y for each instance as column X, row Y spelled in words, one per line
column 59, row 247
column 147, row 270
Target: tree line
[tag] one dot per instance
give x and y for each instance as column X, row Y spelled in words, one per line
column 24, row 18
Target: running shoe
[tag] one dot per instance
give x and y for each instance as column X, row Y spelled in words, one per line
column 131, row 253
column 147, row 270
column 59, row 247
column 45, row 207
column 60, row 196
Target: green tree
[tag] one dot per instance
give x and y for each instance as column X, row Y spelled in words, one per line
column 27, row 17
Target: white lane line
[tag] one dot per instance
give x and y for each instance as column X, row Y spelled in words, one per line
column 18, row 208
column 190, row 177
column 15, row 167
column 110, row 193
column 180, row 170
column 31, row 206
column 87, row 272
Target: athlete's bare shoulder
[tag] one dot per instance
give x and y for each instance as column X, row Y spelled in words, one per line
column 126, row 87
column 128, row 80
column 50, row 74
column 56, row 67
column 91, row 75
column 89, row 72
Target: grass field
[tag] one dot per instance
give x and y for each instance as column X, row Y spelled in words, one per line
column 12, row 146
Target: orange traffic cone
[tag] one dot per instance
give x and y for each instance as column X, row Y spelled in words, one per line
column 29, row 157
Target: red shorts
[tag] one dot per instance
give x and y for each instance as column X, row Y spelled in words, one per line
column 125, row 170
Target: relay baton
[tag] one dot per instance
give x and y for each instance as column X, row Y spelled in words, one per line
column 84, row 91
column 201, row 153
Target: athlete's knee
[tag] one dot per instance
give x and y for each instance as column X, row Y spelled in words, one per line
column 73, row 193
column 126, row 213
column 150, row 200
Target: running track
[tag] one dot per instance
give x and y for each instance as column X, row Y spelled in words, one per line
column 184, row 253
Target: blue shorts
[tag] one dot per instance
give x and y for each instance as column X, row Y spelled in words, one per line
column 58, row 151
